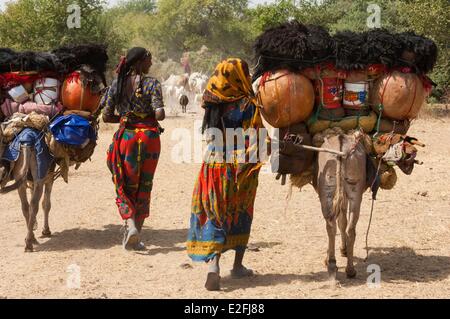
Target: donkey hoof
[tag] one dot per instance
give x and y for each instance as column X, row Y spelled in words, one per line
column 46, row 233
column 29, row 248
column 329, row 262
column 351, row 272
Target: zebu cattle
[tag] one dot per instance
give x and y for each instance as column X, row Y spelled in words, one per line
column 176, row 80
column 184, row 101
column 197, row 83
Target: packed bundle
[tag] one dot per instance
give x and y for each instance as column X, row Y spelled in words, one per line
column 418, row 53
column 75, row 57
column 61, row 88
column 292, row 91
column 400, row 93
column 281, row 47
column 374, row 81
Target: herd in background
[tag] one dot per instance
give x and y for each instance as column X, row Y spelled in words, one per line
column 185, row 89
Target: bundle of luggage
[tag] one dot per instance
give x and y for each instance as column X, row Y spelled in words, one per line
column 55, row 96
column 310, row 81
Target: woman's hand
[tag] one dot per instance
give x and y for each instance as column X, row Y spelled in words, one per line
column 160, row 114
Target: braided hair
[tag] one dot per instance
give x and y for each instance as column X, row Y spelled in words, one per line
column 124, row 69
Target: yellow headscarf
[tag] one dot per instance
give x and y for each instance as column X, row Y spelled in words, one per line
column 231, row 82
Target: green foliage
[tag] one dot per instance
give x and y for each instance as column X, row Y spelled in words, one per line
column 41, row 25
column 138, row 6
column 211, row 30
column 186, row 25
column 432, row 19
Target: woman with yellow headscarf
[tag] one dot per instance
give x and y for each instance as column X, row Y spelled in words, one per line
column 224, row 194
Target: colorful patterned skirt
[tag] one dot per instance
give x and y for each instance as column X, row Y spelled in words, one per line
column 132, row 159
column 222, row 209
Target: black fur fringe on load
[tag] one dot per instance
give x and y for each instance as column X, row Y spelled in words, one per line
column 425, row 51
column 381, row 47
column 320, row 44
column 62, row 61
column 280, row 47
column 7, row 59
column 73, row 57
column 38, row 61
column 350, row 50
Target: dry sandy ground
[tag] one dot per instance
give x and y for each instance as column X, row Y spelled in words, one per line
column 410, row 236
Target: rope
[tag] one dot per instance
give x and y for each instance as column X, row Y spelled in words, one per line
column 371, row 211
column 256, row 66
column 414, row 99
column 380, row 112
column 368, row 229
column 314, row 62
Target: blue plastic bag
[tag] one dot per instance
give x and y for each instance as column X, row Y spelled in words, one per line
column 72, row 130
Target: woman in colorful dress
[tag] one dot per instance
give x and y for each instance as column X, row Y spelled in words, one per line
column 135, row 101
column 224, row 194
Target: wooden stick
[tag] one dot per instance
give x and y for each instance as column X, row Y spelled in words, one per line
column 320, row 149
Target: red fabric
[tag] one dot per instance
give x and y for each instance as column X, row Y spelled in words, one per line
column 12, row 79
column 122, row 62
column 264, row 79
column 73, row 77
column 376, row 69
column 132, row 161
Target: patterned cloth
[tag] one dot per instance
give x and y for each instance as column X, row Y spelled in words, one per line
column 32, row 138
column 132, row 159
column 143, row 102
column 133, row 155
column 222, row 209
column 224, row 194
column 231, row 81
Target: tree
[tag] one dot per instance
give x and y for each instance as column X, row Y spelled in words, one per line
column 137, row 6
column 42, row 25
column 432, row 19
column 188, row 24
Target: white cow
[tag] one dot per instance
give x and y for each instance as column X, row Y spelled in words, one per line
column 177, row 80
column 197, row 82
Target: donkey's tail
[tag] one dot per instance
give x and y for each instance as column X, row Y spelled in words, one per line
column 339, row 195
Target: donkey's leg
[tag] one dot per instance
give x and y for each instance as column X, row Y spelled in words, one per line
column 24, row 201
column 326, row 190
column 331, row 255
column 355, row 180
column 342, row 222
column 36, row 195
column 34, row 207
column 46, row 206
column 355, row 206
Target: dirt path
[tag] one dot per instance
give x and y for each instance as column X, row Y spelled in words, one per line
column 410, row 236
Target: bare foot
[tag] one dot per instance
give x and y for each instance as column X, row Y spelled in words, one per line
column 240, row 272
column 212, row 282
column 140, row 246
column 131, row 239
